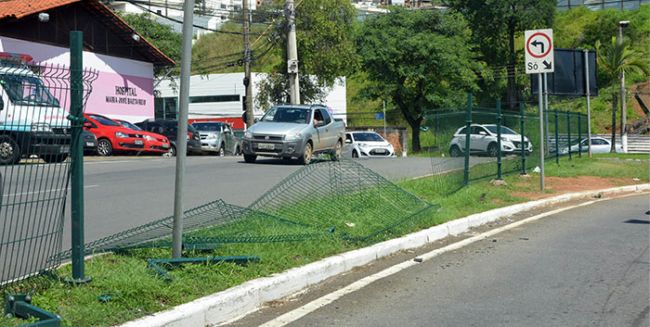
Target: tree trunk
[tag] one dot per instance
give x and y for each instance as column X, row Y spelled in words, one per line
column 614, row 104
column 415, row 137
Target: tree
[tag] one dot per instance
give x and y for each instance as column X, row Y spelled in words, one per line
column 614, row 59
column 496, row 24
column 162, row 36
column 418, row 60
column 326, row 51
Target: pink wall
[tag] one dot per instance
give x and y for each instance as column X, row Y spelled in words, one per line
column 121, row 95
column 123, row 89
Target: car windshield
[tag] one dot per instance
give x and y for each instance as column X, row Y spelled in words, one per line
column 104, row 121
column 504, row 130
column 129, row 125
column 27, row 90
column 209, row 127
column 288, row 115
column 368, row 137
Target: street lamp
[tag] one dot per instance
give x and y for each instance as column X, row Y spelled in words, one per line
column 621, row 25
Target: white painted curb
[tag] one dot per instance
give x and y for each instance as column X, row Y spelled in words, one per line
column 246, row 298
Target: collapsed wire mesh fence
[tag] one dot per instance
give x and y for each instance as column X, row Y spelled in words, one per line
column 35, row 142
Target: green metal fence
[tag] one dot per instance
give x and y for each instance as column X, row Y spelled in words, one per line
column 34, row 166
column 494, row 138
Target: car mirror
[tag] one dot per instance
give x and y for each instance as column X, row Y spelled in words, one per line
column 88, row 125
column 256, row 120
column 348, row 141
column 482, row 133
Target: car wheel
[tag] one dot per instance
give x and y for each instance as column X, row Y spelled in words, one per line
column 307, row 153
column 9, row 151
column 104, row 147
column 172, row 150
column 222, row 150
column 250, row 158
column 237, row 152
column 54, row 158
column 337, row 151
column 493, row 150
column 355, row 154
column 455, row 151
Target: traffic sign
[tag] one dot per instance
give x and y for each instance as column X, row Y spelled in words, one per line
column 539, row 51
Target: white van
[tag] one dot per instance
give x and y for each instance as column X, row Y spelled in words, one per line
column 32, row 121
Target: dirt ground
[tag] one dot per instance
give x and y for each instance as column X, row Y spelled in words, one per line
column 561, row 185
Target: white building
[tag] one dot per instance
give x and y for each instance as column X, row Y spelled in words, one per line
column 221, row 96
column 212, row 13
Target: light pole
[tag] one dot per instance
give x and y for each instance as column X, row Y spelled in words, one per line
column 621, row 25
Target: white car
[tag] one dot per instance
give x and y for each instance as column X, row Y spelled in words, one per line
column 483, row 139
column 368, row 144
column 598, row 145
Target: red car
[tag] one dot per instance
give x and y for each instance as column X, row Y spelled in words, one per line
column 154, row 143
column 111, row 136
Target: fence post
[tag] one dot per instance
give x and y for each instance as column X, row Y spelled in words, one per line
column 499, row 177
column 522, row 124
column 77, row 165
column 568, row 125
column 579, row 137
column 557, row 139
column 468, row 127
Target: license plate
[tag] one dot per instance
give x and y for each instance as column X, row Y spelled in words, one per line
column 380, row 150
column 90, row 144
column 64, row 149
column 138, row 142
column 165, row 146
column 266, row 146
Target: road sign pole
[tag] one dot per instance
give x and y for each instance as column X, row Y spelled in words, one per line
column 588, row 101
column 541, row 132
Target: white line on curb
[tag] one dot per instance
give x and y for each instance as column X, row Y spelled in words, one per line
column 298, row 313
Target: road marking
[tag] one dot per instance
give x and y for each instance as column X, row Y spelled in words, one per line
column 298, row 313
column 45, row 191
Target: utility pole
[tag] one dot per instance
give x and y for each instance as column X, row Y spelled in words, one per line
column 292, row 54
column 181, row 145
column 621, row 25
column 248, row 101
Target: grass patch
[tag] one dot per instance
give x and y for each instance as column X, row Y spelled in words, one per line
column 135, row 291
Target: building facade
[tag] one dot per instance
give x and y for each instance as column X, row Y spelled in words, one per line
column 125, row 60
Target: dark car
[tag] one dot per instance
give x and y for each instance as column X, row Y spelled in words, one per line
column 90, row 142
column 169, row 128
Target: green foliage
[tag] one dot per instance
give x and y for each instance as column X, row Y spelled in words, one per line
column 496, row 25
column 418, row 60
column 582, row 28
column 615, row 58
column 162, row 36
column 326, row 51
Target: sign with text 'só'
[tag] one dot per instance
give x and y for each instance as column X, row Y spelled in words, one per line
column 539, row 51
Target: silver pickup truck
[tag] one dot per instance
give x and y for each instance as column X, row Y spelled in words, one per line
column 294, row 131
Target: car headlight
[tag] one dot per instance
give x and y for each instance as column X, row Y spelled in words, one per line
column 294, row 136
column 41, row 127
column 121, row 135
column 248, row 135
column 149, row 138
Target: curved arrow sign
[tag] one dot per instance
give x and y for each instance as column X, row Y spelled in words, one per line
column 539, row 51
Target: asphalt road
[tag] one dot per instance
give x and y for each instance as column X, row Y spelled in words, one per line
column 124, row 192
column 588, row 266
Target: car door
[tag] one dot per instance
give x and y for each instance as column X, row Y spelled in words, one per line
column 478, row 139
column 330, row 135
column 228, row 139
column 319, row 138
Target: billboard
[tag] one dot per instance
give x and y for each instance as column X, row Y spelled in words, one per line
column 569, row 76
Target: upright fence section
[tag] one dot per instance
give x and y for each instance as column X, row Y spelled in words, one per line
column 475, row 143
column 35, row 144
